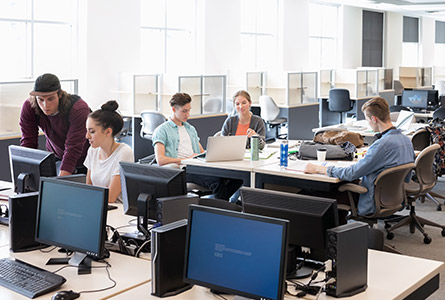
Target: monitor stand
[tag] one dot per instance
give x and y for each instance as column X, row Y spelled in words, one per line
column 22, row 178
column 80, row 260
column 142, row 235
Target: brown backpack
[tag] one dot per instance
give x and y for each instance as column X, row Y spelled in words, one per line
column 337, row 137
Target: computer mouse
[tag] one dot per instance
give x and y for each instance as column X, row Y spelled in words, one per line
column 65, row 295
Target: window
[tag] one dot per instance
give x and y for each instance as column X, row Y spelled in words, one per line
column 259, row 19
column 410, row 45
column 168, row 35
column 323, row 20
column 41, row 37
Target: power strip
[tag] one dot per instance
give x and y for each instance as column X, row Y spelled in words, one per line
column 115, row 248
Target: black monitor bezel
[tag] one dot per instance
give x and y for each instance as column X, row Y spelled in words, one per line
column 32, row 182
column 283, row 258
column 404, row 97
column 131, row 204
column 103, row 217
column 331, row 205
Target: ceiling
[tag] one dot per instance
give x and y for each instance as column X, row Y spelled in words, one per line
column 431, row 8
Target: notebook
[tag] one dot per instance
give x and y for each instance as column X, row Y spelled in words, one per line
column 224, row 148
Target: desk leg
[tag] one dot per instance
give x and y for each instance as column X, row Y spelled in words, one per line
column 252, row 179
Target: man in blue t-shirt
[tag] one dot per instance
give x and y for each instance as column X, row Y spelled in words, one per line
column 176, row 140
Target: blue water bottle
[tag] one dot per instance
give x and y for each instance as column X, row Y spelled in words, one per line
column 284, row 152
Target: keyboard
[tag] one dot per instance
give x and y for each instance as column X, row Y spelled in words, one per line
column 27, row 279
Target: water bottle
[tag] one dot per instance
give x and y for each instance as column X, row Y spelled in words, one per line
column 284, row 152
column 254, row 147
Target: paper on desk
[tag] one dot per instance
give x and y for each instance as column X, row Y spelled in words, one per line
column 300, row 165
column 264, row 154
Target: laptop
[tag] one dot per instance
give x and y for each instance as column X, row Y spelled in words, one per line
column 224, row 148
column 404, row 120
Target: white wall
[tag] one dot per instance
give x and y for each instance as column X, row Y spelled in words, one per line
column 393, row 42
column 293, row 35
column 427, row 38
column 109, row 43
column 350, row 37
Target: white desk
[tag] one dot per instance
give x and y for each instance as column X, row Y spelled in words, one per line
column 241, row 169
column 390, row 276
column 128, row 272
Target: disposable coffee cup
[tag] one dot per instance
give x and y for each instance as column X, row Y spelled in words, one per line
column 321, row 154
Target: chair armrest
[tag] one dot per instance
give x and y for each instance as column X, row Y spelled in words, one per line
column 352, row 187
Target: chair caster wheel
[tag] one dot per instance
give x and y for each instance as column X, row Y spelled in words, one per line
column 427, row 240
column 443, row 232
column 390, row 235
column 439, row 207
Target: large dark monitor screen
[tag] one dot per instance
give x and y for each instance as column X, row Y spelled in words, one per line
column 236, row 253
column 309, row 218
column 28, row 165
column 142, row 184
column 416, row 99
column 72, row 216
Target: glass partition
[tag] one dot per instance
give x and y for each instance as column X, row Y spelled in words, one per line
column 139, row 92
column 301, row 88
column 208, row 93
column 256, row 85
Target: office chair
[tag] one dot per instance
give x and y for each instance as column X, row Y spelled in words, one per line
column 340, row 102
column 150, row 121
column 270, row 113
column 439, row 114
column 387, row 198
column 420, row 140
column 425, row 181
column 212, row 105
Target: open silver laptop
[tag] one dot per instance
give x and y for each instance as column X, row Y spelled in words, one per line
column 224, row 148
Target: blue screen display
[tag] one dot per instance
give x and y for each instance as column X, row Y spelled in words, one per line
column 415, row 98
column 236, row 253
column 71, row 216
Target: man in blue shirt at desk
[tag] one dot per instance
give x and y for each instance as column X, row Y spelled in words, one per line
column 392, row 148
column 176, row 140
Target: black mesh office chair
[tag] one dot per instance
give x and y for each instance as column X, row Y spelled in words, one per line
column 339, row 101
column 150, row 121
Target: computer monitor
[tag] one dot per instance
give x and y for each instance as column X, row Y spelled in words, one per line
column 415, row 99
column 309, row 218
column 141, row 185
column 236, row 253
column 28, row 165
column 72, row 216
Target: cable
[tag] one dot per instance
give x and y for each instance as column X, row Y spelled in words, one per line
column 322, row 288
column 141, row 248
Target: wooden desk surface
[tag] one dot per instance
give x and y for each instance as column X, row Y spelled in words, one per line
column 390, row 276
